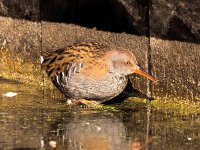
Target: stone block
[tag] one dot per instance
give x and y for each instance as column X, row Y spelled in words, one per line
column 177, row 67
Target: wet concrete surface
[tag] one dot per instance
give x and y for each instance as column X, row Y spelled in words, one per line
column 38, row 119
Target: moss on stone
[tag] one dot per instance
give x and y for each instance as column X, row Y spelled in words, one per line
column 175, row 105
column 14, row 67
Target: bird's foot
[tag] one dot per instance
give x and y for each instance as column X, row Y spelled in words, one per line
column 83, row 103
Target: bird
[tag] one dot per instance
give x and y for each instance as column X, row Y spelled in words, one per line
column 91, row 71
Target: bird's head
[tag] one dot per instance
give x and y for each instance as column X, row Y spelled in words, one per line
column 124, row 62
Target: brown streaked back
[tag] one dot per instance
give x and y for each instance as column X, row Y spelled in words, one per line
column 58, row 60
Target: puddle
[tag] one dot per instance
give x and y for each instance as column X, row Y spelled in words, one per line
column 35, row 119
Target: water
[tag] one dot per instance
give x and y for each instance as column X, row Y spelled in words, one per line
column 34, row 119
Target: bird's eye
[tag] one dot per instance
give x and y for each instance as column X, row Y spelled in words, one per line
column 128, row 62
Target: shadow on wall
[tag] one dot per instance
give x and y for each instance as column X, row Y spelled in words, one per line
column 108, row 15
column 103, row 14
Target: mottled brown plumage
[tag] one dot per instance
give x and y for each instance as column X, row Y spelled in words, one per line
column 91, row 71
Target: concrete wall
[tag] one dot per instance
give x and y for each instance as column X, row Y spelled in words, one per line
column 164, row 35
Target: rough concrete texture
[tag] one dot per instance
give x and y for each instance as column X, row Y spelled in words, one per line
column 20, row 45
column 21, row 37
column 177, row 67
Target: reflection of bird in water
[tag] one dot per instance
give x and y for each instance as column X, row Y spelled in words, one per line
column 95, row 131
column 139, row 145
column 91, row 71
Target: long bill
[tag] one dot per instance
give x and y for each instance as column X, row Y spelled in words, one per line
column 140, row 71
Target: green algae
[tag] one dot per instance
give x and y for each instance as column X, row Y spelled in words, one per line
column 15, row 67
column 175, row 105
column 178, row 106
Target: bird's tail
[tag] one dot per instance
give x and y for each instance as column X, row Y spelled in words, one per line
column 41, row 59
column 43, row 55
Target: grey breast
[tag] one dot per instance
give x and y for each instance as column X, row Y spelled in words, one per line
column 75, row 86
column 102, row 90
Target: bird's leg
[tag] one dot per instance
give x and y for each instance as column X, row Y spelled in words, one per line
column 88, row 102
column 82, row 102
